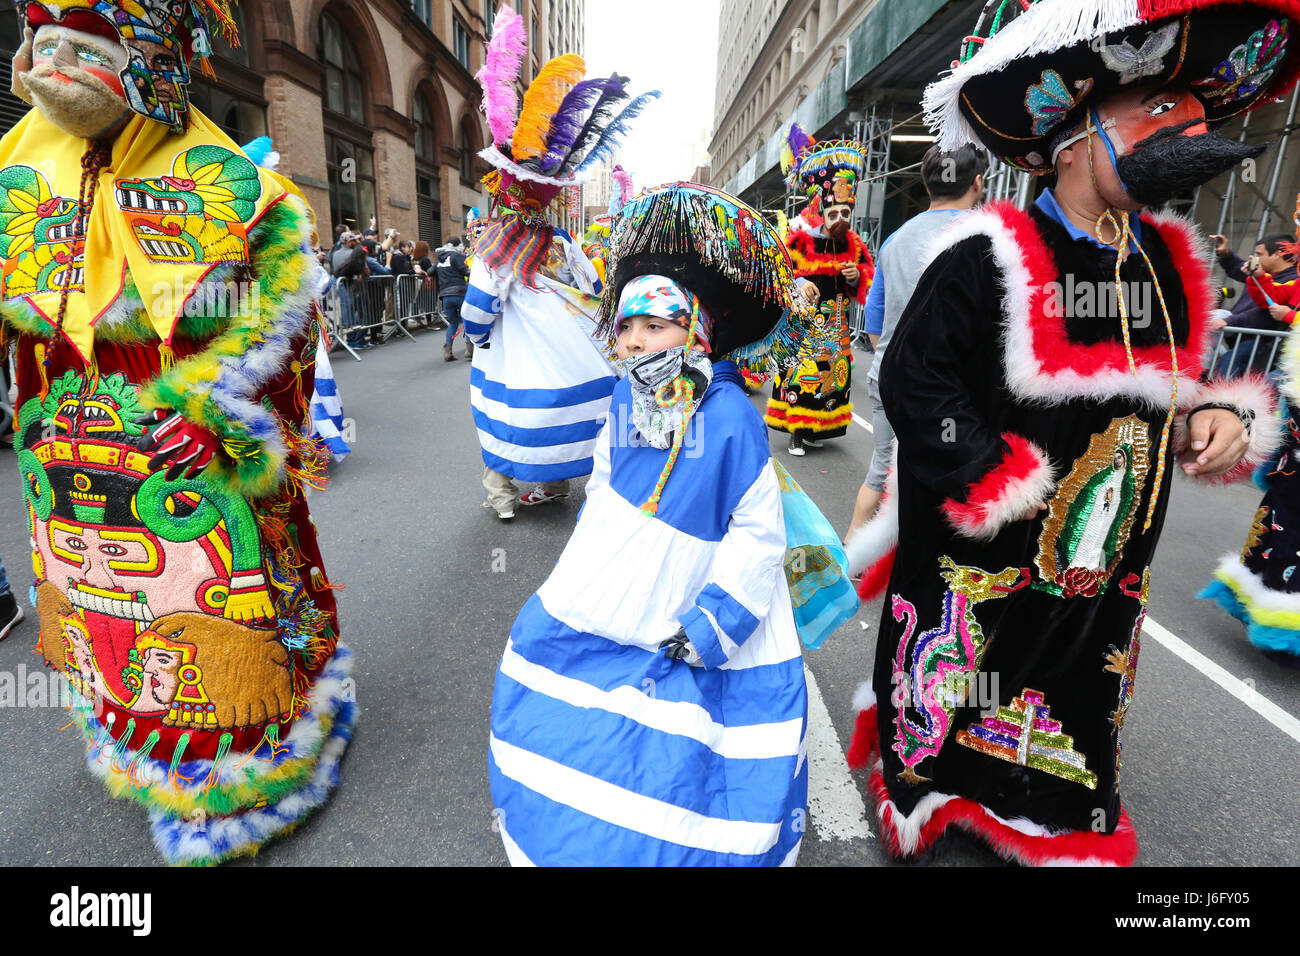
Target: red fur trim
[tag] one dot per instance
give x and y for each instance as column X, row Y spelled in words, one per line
column 808, row 262
column 1072, row 847
column 1054, row 351
column 1020, row 479
column 875, row 579
column 863, row 747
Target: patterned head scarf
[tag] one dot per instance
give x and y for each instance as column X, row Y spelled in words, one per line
column 661, row 297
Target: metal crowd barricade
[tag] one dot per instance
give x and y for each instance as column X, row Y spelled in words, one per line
column 1239, row 351
column 360, row 305
column 416, row 299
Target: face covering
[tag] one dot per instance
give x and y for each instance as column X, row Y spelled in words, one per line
column 1167, row 164
column 648, row 375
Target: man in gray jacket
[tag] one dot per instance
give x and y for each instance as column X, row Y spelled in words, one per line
column 955, row 182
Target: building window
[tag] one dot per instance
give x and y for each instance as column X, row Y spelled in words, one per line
column 352, row 181
column 343, row 86
column 461, row 37
column 488, row 15
column 466, row 147
column 425, row 139
column 424, row 10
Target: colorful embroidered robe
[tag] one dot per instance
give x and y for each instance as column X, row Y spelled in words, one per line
column 1007, row 651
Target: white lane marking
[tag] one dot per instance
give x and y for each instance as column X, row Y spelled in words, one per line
column 863, row 422
column 835, row 804
column 1275, row 715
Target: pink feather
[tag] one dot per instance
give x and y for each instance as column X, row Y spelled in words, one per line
column 505, row 57
column 624, row 185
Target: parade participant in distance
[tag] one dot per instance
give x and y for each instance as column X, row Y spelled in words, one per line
column 673, row 580
column 540, row 384
column 1259, row 586
column 811, row 392
column 1039, row 415
column 161, row 290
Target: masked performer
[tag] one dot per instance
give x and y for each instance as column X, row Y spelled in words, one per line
column 650, row 708
column 811, row 392
column 1039, row 415
column 160, row 290
column 595, row 242
column 541, row 383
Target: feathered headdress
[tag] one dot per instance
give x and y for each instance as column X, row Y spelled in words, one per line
column 566, row 123
column 621, row 191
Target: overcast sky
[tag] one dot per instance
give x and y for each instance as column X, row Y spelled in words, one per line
column 668, row 45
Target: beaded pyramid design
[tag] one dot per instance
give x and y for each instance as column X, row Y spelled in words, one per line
column 1025, row 734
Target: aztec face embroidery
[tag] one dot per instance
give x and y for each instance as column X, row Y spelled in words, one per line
column 933, row 678
column 36, row 236
column 196, row 214
column 151, row 594
column 1093, row 510
column 1025, row 734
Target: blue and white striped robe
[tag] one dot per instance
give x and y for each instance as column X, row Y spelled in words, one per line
column 604, row 751
column 540, row 385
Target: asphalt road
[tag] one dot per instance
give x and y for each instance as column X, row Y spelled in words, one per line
column 433, row 582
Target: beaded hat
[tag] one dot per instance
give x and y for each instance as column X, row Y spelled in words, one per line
column 724, row 252
column 826, row 172
column 1026, row 81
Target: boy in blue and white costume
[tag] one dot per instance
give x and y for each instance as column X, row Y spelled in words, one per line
column 540, row 384
column 651, row 708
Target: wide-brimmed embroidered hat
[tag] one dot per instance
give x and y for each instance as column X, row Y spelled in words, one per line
column 825, row 172
column 720, row 249
column 1016, row 89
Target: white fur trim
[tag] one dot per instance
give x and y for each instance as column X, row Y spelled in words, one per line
column 1016, row 497
column 1260, row 597
column 499, row 159
column 1290, row 366
column 864, row 698
column 1025, row 376
column 879, row 536
column 1043, row 28
column 1249, row 393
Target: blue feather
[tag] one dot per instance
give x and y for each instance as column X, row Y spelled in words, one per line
column 616, row 129
column 600, row 115
column 569, row 119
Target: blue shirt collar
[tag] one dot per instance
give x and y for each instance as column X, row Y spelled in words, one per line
column 1049, row 207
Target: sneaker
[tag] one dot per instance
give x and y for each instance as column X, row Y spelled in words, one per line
column 11, row 613
column 539, row 497
column 796, row 447
column 809, row 443
column 505, row 515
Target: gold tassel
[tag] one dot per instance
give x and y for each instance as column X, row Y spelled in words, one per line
column 166, row 358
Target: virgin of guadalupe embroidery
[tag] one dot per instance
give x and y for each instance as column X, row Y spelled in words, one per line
column 1092, row 512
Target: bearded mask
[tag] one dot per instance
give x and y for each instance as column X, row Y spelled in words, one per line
column 73, row 77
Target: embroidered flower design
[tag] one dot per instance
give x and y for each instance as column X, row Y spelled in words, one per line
column 1080, row 582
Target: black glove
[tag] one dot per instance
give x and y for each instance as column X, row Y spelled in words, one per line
column 677, row 647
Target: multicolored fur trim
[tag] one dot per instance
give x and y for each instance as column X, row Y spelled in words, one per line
column 1254, row 395
column 1042, row 364
column 809, row 262
column 909, row 836
column 1272, row 618
column 787, row 417
column 1021, row 479
column 206, row 811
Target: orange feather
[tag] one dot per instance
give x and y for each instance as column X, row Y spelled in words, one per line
column 541, row 101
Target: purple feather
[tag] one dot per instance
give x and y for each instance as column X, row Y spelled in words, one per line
column 616, row 129
column 601, row 114
column 570, row 118
column 798, row 139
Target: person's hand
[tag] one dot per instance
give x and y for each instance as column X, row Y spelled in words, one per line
column 1282, row 313
column 851, row 273
column 1219, row 441
column 372, row 222
column 184, row 448
column 679, row 648
column 1252, row 267
column 1220, row 245
column 1218, row 324
column 811, row 293
column 1032, row 512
